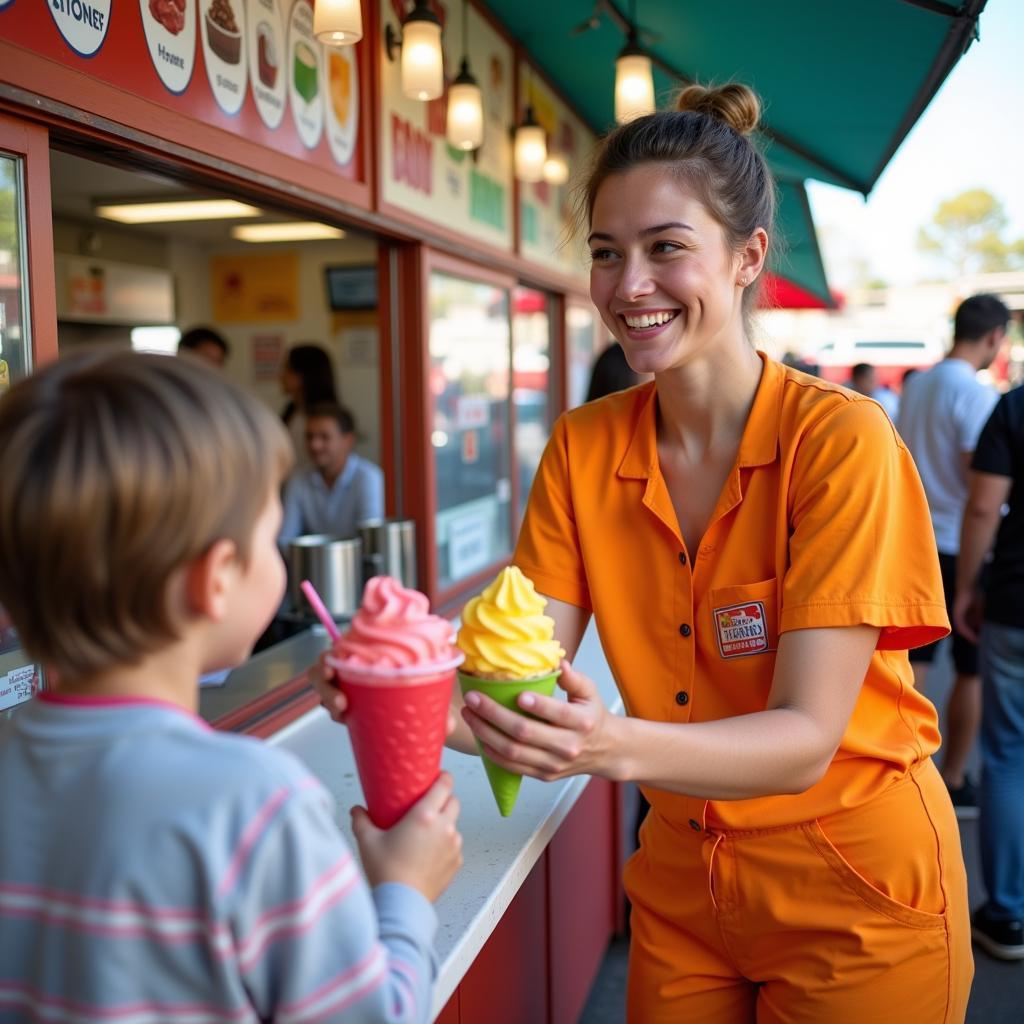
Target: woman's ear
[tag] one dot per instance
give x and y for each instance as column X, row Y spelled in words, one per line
column 752, row 257
column 209, row 580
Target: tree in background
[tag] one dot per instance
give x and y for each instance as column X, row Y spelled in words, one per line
column 967, row 233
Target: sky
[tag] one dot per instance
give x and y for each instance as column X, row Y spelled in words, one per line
column 970, row 136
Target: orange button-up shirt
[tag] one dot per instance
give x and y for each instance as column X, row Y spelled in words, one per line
column 822, row 522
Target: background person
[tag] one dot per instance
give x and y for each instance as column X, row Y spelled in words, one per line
column 164, row 870
column 997, row 479
column 942, row 411
column 307, row 378
column 864, row 380
column 611, row 373
column 341, row 490
column 207, row 344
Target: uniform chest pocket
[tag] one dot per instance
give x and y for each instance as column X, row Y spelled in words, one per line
column 744, row 619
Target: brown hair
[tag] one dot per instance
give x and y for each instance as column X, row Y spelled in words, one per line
column 704, row 141
column 118, row 469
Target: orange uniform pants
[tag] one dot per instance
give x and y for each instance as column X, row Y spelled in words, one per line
column 855, row 917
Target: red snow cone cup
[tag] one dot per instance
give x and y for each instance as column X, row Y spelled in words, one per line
column 396, row 721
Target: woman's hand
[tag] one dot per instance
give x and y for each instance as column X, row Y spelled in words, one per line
column 563, row 738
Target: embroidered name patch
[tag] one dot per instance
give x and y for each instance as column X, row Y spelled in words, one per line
column 741, row 629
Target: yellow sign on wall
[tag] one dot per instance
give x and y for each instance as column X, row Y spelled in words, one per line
column 255, row 288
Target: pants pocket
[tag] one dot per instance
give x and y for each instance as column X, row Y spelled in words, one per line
column 866, row 880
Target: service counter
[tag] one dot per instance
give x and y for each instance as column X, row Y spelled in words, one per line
column 525, row 923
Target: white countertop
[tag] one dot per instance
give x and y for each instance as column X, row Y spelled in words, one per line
column 499, row 852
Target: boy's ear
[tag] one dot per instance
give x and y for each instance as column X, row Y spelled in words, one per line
column 208, row 580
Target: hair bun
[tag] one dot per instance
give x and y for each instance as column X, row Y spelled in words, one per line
column 735, row 104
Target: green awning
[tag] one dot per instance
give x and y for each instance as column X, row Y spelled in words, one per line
column 843, row 81
column 798, row 258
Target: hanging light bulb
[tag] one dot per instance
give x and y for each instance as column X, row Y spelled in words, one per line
column 465, row 128
column 531, row 149
column 338, row 22
column 634, row 82
column 556, row 169
column 422, row 59
column 465, row 111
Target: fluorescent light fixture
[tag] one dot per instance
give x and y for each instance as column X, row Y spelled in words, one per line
column 293, row 231
column 176, row 210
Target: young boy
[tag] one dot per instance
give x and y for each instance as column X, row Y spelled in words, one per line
column 151, row 869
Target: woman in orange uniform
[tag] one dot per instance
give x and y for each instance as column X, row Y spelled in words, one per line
column 756, row 549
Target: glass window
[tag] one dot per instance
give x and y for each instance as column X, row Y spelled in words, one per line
column 469, row 385
column 14, row 353
column 531, row 384
column 584, row 332
column 19, row 677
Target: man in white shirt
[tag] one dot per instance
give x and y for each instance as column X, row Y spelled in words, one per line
column 942, row 412
column 341, row 490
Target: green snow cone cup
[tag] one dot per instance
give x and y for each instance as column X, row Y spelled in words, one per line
column 505, row 784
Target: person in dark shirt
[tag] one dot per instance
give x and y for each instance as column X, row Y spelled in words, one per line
column 997, row 479
column 611, row 373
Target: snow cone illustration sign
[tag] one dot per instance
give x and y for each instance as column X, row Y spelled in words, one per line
column 267, row 78
column 742, row 629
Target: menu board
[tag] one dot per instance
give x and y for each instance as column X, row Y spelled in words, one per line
column 250, row 67
column 545, row 211
column 422, row 174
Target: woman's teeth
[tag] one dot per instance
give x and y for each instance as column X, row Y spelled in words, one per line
column 647, row 320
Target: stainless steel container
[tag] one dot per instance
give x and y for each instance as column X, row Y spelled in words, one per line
column 389, row 549
column 334, row 565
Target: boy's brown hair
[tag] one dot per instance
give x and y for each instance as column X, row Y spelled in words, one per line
column 118, row 469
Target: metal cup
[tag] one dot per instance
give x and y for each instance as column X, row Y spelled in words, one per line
column 333, row 565
column 389, row 549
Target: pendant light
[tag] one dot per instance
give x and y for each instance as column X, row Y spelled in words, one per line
column 531, row 147
column 465, row 128
column 556, row 169
column 338, row 22
column 422, row 59
column 634, row 79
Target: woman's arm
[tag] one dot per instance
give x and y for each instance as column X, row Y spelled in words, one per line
column 784, row 749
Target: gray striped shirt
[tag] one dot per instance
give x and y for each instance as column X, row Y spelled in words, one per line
column 153, row 870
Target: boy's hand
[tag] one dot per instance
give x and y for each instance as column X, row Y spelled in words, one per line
column 423, row 850
column 324, row 681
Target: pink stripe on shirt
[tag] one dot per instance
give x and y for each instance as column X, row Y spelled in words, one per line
column 17, row 994
column 374, row 963
column 98, row 700
column 252, row 833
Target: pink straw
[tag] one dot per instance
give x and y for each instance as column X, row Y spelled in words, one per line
column 321, row 611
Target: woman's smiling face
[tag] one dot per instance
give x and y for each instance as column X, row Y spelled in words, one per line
column 663, row 277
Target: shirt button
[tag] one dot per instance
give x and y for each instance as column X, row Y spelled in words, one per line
column 684, row 629
column 682, row 697
column 695, row 825
column 682, row 558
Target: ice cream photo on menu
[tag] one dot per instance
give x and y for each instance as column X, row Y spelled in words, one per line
column 510, row 649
